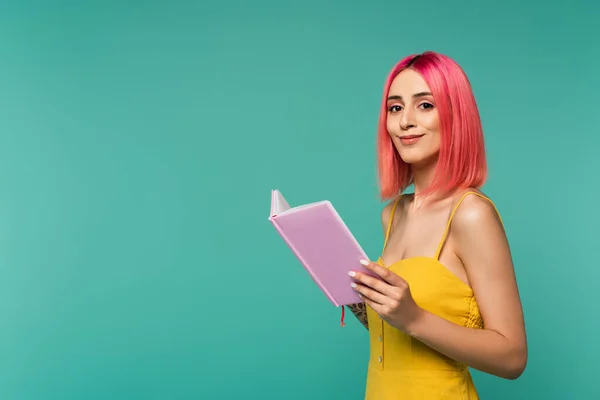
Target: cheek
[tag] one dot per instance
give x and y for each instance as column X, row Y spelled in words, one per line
column 431, row 121
column 391, row 125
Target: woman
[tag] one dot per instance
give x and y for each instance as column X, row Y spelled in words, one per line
column 443, row 296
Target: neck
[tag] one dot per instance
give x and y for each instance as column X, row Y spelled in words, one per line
column 422, row 179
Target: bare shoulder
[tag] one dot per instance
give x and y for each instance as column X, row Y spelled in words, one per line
column 478, row 232
column 476, row 213
column 386, row 212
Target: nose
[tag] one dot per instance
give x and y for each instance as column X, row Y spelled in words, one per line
column 407, row 119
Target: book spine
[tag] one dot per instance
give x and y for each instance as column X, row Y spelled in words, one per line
column 296, row 253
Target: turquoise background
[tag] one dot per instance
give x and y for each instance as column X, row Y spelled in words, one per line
column 139, row 142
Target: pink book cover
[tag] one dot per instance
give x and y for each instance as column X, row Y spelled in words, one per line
column 323, row 244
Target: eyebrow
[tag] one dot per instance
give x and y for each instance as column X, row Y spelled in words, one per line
column 420, row 94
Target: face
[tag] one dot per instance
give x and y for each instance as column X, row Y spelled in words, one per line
column 412, row 119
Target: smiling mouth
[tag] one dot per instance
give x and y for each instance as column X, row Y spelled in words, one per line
column 410, row 139
column 407, row 137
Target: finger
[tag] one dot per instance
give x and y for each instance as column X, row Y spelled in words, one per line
column 372, row 282
column 384, row 273
column 367, row 293
column 378, row 308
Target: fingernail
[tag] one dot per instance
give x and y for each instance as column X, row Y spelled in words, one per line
column 364, row 262
column 353, row 284
column 352, row 273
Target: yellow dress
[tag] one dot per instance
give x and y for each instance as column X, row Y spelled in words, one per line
column 403, row 368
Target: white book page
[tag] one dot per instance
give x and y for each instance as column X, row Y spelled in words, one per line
column 278, row 203
column 280, row 206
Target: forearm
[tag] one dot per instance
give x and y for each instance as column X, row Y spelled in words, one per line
column 485, row 350
column 360, row 312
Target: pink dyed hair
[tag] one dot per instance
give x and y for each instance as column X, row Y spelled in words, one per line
column 461, row 162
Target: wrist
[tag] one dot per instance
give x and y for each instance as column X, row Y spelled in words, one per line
column 416, row 323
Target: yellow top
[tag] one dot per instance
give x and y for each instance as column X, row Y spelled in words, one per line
column 400, row 366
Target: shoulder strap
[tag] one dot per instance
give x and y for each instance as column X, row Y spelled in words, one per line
column 443, row 240
column 391, row 219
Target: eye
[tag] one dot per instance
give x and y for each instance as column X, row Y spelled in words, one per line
column 426, row 106
column 394, row 108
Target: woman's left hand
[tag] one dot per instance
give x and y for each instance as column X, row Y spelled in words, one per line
column 389, row 296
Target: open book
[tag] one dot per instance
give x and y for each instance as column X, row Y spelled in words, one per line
column 323, row 244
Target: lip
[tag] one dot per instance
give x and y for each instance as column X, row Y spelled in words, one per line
column 410, row 139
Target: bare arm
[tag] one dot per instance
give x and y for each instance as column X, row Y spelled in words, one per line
column 501, row 347
column 360, row 310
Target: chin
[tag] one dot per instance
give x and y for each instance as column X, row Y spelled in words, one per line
column 417, row 157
